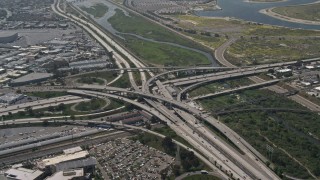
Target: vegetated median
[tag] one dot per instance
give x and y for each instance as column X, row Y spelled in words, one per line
column 220, row 86
column 201, row 177
column 292, row 136
column 92, row 105
column 96, row 77
column 157, row 53
column 162, row 54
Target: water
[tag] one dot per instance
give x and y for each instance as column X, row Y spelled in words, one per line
column 250, row 12
column 103, row 21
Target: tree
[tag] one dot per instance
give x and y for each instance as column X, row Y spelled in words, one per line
column 148, row 126
column 176, row 170
column 271, row 71
column 299, row 63
column 72, row 117
column 29, row 110
column 21, row 113
column 168, row 145
column 45, row 123
column 61, row 107
column 188, row 159
column 51, row 108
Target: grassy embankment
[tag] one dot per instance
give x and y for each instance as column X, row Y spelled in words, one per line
column 61, row 109
column 264, row 1
column 46, row 95
column 96, row 78
column 152, row 52
column 257, row 44
column 90, row 80
column 98, row 10
column 91, row 105
column 287, row 132
column 201, row 177
column 219, row 86
column 3, row 13
column 305, row 12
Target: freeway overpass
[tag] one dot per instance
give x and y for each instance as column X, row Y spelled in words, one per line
column 229, row 91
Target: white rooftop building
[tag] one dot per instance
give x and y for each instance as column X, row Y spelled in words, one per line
column 66, row 175
column 11, row 98
column 23, row 174
column 72, row 150
column 62, row 158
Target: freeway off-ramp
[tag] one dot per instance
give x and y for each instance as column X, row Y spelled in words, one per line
column 178, row 104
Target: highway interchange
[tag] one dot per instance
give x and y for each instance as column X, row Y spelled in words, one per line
column 242, row 162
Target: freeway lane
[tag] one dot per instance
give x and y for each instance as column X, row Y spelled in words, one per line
column 156, row 113
column 229, row 91
column 216, row 78
column 196, row 140
column 219, row 54
column 138, row 64
column 221, row 127
column 87, row 27
column 179, row 104
column 261, row 165
column 40, row 104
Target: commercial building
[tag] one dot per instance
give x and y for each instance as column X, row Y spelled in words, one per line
column 88, row 164
column 62, row 158
column 75, row 174
column 10, row 98
column 2, row 71
column 284, row 72
column 72, row 150
column 23, row 174
column 8, row 37
column 31, row 78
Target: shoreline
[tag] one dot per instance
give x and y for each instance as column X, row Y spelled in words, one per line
column 270, row 13
column 253, row 1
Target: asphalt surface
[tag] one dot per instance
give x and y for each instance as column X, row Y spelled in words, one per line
column 40, row 104
column 182, row 122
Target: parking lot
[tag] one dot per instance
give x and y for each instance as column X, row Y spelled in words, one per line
column 127, row 159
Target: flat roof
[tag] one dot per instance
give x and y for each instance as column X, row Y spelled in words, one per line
column 66, row 175
column 72, row 150
column 80, row 163
column 284, row 70
column 31, row 77
column 7, row 33
column 10, row 96
column 63, row 158
column 23, row 173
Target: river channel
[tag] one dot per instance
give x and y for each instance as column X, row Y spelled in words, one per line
column 103, row 21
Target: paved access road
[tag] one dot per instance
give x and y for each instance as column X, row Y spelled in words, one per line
column 40, row 104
